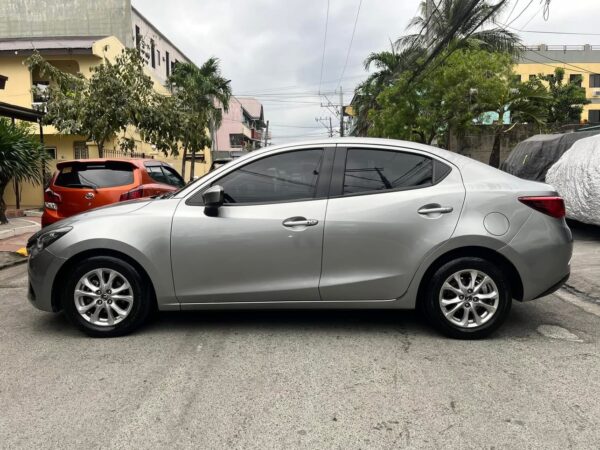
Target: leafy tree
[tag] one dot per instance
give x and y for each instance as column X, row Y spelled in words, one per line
column 201, row 94
column 22, row 158
column 449, row 98
column 527, row 103
column 117, row 96
column 567, row 99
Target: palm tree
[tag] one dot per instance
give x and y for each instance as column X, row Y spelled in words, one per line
column 527, row 103
column 459, row 23
column 203, row 94
column 22, row 158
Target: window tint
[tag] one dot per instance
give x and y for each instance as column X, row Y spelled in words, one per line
column 95, row 175
column 173, row 178
column 379, row 170
column 156, row 174
column 283, row 177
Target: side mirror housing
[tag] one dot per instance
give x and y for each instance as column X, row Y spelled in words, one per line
column 213, row 199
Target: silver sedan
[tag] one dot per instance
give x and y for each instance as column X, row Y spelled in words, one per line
column 339, row 223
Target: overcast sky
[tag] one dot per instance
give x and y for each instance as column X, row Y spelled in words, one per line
column 272, row 49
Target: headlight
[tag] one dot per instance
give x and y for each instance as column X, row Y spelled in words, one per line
column 43, row 239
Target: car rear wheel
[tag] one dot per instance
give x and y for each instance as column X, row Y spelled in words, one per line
column 105, row 297
column 468, row 298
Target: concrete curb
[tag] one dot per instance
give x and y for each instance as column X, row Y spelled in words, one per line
column 5, row 234
column 16, row 262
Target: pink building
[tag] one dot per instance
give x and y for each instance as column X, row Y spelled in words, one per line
column 243, row 127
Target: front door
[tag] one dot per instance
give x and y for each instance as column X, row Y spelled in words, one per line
column 389, row 208
column 266, row 242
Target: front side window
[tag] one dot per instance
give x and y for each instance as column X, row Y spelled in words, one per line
column 380, row 170
column 283, row 177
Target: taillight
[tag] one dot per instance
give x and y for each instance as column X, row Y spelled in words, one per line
column 133, row 194
column 51, row 199
column 552, row 206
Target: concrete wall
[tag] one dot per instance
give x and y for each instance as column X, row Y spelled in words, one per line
column 478, row 143
column 44, row 18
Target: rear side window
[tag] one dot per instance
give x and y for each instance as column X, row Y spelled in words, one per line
column 95, row 175
column 165, row 175
column 380, row 170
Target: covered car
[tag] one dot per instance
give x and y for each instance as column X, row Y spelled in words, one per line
column 532, row 157
column 576, row 176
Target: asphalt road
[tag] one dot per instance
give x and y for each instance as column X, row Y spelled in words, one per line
column 299, row 380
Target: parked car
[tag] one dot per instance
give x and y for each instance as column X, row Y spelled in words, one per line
column 84, row 184
column 338, row 223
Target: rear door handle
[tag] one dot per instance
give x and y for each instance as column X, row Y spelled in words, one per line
column 435, row 210
column 299, row 222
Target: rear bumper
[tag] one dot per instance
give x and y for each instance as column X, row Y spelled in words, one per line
column 555, row 287
column 541, row 252
column 49, row 217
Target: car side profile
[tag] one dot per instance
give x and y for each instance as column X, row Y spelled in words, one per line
column 339, row 223
column 83, row 184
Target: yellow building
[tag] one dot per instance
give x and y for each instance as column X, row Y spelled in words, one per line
column 576, row 60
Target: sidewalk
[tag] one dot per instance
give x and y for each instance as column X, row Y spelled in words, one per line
column 14, row 236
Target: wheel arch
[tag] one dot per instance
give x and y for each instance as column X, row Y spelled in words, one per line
column 61, row 276
column 507, row 267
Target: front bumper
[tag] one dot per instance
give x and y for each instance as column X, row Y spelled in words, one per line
column 42, row 270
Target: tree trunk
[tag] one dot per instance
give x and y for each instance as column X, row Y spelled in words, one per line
column 193, row 165
column 3, row 218
column 495, row 155
column 183, row 163
column 101, row 149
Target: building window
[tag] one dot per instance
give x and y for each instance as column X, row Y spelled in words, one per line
column 138, row 37
column 158, row 56
column 576, row 78
column 167, row 63
column 594, row 116
column 517, row 78
column 80, row 150
column 236, row 140
column 594, row 80
column 51, row 152
column 532, row 77
column 152, row 54
column 40, row 91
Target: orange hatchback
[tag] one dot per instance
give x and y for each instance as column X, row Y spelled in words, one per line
column 80, row 185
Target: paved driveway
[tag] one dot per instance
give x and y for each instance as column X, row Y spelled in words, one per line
column 299, row 380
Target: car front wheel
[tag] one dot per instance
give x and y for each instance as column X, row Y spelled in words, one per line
column 105, row 297
column 468, row 298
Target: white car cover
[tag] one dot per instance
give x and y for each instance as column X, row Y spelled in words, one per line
column 576, row 176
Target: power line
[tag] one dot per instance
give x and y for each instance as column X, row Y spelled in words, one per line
column 512, row 10
column 521, row 13
column 556, row 32
column 351, row 41
column 324, row 45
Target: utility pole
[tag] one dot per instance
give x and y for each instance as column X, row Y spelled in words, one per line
column 330, row 128
column 267, row 133
column 326, row 122
column 341, row 113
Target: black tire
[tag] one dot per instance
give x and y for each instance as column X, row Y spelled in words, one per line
column 433, row 309
column 142, row 299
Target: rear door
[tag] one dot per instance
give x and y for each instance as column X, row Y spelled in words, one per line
column 388, row 208
column 86, row 185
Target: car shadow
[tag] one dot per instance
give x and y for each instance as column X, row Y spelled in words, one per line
column 584, row 231
column 519, row 324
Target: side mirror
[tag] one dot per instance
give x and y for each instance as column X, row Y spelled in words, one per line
column 213, row 199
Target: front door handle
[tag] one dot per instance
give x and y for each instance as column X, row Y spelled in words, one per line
column 431, row 209
column 299, row 222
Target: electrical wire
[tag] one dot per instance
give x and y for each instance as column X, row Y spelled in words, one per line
column 324, row 45
column 350, row 44
column 521, row 13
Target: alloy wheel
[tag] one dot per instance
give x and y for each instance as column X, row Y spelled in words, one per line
column 103, row 297
column 469, row 298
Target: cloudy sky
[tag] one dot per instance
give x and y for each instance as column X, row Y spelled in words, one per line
column 273, row 49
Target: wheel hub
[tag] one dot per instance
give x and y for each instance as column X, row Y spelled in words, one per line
column 103, row 297
column 469, row 298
